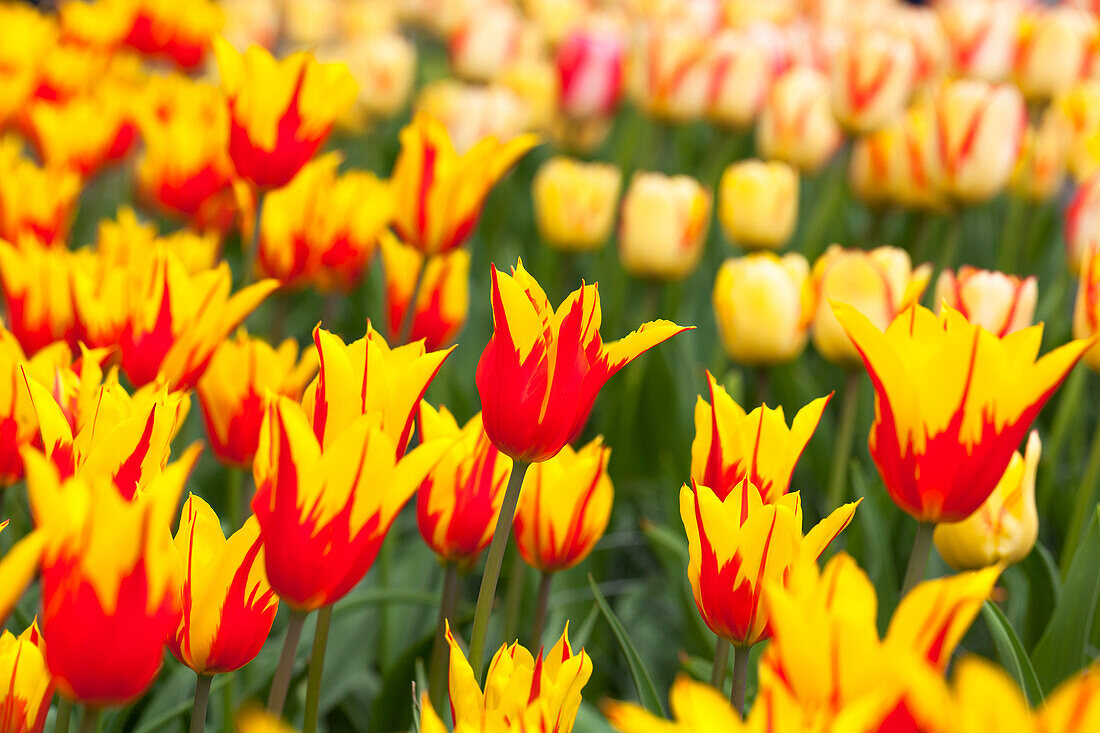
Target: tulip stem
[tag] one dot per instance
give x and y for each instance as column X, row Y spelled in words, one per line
column 1083, row 507
column 437, row 668
column 253, row 250
column 316, row 669
column 488, row 590
column 202, row 697
column 845, row 434
column 89, row 722
column 721, row 664
column 541, row 606
column 64, row 712
column 740, row 678
column 918, row 558
column 409, row 315
column 281, row 681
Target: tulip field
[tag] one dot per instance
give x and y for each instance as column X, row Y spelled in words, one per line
column 543, row 366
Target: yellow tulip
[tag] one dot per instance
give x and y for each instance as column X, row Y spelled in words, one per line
column 663, row 226
column 575, row 202
column 758, row 203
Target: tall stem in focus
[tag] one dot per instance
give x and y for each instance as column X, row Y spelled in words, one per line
column 488, row 590
column 740, row 678
column 316, row 669
column 202, row 697
column 437, row 668
column 281, row 681
column 918, row 558
column 845, row 434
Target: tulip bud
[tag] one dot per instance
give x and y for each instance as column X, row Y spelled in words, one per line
column 485, row 42
column 763, row 305
column 744, row 63
column 590, row 63
column 1003, row 529
column 797, row 123
column 234, row 390
column 1052, row 45
column 872, row 78
column 1041, row 170
column 35, row 202
column 997, row 302
column 663, row 225
column 981, row 128
column 921, row 27
column 228, row 605
column 575, row 202
column 384, row 67
column 1082, row 224
column 26, row 686
column 564, row 507
column 442, row 300
column 1086, row 310
column 670, row 73
column 758, row 203
column 879, row 283
column 981, row 36
column 457, row 505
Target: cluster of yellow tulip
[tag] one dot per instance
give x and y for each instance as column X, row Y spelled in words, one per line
column 233, row 129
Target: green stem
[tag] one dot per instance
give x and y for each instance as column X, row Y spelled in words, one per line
column 253, row 250
column 89, row 722
column 513, row 601
column 234, row 487
column 950, row 251
column 410, row 309
column 228, row 702
column 1083, row 506
column 437, row 668
column 721, row 664
column 761, row 386
column 1065, row 417
column 740, row 678
column 276, row 699
column 202, row 697
column 317, row 669
column 918, row 558
column 1009, row 248
column 488, row 590
column 541, row 606
column 845, row 435
column 64, row 713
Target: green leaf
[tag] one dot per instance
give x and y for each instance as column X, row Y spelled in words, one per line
column 1063, row 648
column 1011, row 652
column 1044, row 584
column 643, row 682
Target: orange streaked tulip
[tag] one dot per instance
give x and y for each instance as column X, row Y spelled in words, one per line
column 880, row 283
column 443, row 299
column 732, row 448
column 952, row 403
column 745, row 62
column 1053, row 46
column 1003, row 530
column 383, row 64
column 981, row 36
column 457, row 505
column 669, row 71
column 1041, row 169
column 663, row 225
column 739, row 545
column 797, row 124
column 324, row 511
column 472, row 112
column 228, row 605
column 35, row 202
column 564, row 507
column 439, row 193
column 109, row 579
column 1082, row 224
column 25, row 684
column 522, row 692
column 234, row 391
column 758, row 203
column 993, row 300
column 1086, row 309
column 35, row 281
column 368, row 377
column 872, row 78
column 539, row 375
column 483, row 44
column 280, row 110
column 575, row 202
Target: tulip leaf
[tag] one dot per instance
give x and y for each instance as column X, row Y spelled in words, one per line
column 1044, row 584
column 1063, row 647
column 1011, row 652
column 643, row 682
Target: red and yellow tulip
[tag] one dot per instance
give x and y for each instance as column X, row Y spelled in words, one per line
column 442, row 301
column 37, row 291
column 1086, row 309
column 25, row 684
column 35, row 202
column 995, row 301
column 541, row 370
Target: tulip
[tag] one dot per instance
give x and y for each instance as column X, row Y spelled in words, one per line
column 575, row 202
column 1003, row 529
column 228, row 605
column 670, row 71
column 1078, row 109
column 952, row 403
column 763, row 305
column 880, row 283
column 591, row 65
column 916, row 169
column 993, row 300
column 744, row 63
column 37, row 292
column 109, row 573
column 327, row 509
column 921, row 27
column 17, row 569
column 484, row 43
column 179, row 32
column 696, row 707
column 176, row 320
column 542, row 693
column 323, row 226
column 473, row 112
column 1041, row 169
column 733, row 449
column 106, row 132
column 1082, row 224
column 1052, row 47
column 243, row 373
column 384, row 66
column 25, row 682
column 1086, row 309
column 368, row 377
column 35, row 202
column 872, row 78
column 280, row 111
column 539, row 375
column 981, row 36
column 797, row 124
column 981, row 130
column 534, row 84
column 663, row 225
column 739, row 545
column 758, row 203
column 439, row 193
column 443, row 298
